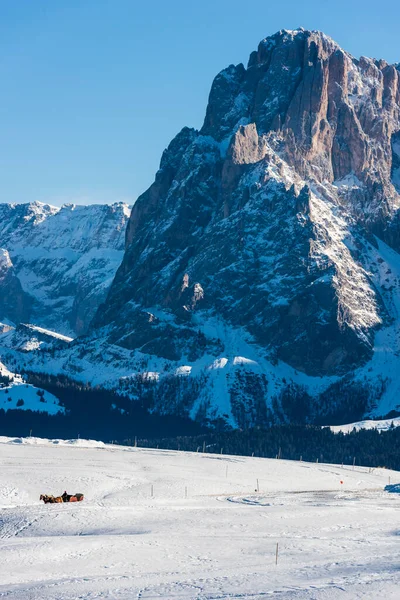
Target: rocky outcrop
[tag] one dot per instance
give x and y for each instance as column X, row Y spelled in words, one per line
column 267, row 210
column 14, row 303
column 334, row 116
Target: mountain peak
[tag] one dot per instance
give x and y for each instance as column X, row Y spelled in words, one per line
column 262, row 264
column 270, row 211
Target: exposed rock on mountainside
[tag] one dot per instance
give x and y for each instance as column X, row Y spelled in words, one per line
column 262, row 217
column 261, row 276
column 14, row 303
column 63, row 261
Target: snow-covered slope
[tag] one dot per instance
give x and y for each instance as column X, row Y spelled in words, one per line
column 382, row 425
column 64, row 260
column 17, row 394
column 26, row 337
column 164, row 524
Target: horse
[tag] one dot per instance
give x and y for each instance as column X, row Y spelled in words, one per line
column 46, row 498
column 50, row 499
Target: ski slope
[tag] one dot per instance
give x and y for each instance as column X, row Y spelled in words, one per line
column 176, row 525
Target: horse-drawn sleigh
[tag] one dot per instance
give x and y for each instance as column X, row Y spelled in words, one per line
column 63, row 498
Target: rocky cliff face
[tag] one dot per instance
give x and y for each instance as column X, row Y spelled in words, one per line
column 14, row 303
column 59, row 262
column 263, row 217
column 261, row 277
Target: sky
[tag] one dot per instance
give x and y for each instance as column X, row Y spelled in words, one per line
column 92, row 91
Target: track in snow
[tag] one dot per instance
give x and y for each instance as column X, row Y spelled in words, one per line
column 136, row 535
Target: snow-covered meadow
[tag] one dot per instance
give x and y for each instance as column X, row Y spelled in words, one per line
column 164, row 524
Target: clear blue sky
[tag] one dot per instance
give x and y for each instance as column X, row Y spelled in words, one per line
column 92, row 91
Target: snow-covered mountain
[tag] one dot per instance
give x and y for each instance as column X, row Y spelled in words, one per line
column 58, row 262
column 261, row 275
column 272, row 233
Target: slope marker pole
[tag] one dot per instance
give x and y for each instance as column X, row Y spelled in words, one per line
column 276, row 553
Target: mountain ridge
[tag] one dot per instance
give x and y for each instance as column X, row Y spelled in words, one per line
column 260, row 278
column 53, row 250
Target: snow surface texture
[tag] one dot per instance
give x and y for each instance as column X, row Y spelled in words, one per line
column 164, row 524
column 65, row 258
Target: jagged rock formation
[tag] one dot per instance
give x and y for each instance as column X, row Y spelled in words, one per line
column 261, row 277
column 262, row 216
column 14, row 303
column 63, row 262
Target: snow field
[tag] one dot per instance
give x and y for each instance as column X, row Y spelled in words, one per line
column 10, row 396
column 165, row 524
